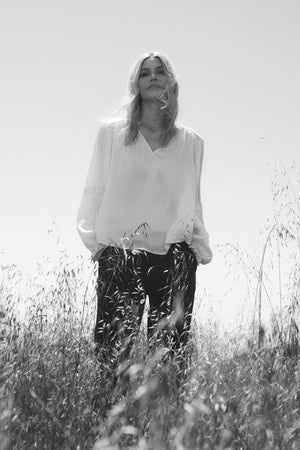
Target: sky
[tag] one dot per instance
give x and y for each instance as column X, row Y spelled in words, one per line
column 64, row 65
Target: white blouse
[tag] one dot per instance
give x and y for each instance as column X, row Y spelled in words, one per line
column 137, row 198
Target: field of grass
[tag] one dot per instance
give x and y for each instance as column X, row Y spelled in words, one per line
column 225, row 392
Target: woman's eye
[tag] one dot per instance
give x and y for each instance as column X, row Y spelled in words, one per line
column 158, row 72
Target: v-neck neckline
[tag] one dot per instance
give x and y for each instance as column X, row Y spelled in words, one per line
column 158, row 148
column 147, row 143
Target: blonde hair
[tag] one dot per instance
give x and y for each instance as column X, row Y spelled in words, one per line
column 130, row 110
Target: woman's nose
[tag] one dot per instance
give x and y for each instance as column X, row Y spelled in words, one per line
column 153, row 76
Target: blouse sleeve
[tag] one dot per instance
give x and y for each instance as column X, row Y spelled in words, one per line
column 200, row 239
column 94, row 188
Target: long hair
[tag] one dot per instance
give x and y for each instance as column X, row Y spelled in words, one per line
column 130, row 110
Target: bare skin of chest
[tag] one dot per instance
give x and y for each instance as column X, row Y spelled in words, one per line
column 152, row 138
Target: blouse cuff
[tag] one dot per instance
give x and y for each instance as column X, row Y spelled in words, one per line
column 96, row 252
column 203, row 256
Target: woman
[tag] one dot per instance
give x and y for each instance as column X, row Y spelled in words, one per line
column 141, row 213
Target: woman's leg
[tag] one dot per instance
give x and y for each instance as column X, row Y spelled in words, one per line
column 170, row 282
column 184, row 287
column 155, row 275
column 120, row 298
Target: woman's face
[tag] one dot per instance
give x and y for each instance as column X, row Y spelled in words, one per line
column 153, row 79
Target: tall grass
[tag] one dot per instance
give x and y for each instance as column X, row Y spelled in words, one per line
column 221, row 393
column 271, row 271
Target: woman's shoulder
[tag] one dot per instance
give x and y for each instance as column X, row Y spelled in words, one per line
column 189, row 133
column 111, row 125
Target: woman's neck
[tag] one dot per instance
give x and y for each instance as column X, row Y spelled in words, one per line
column 151, row 117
